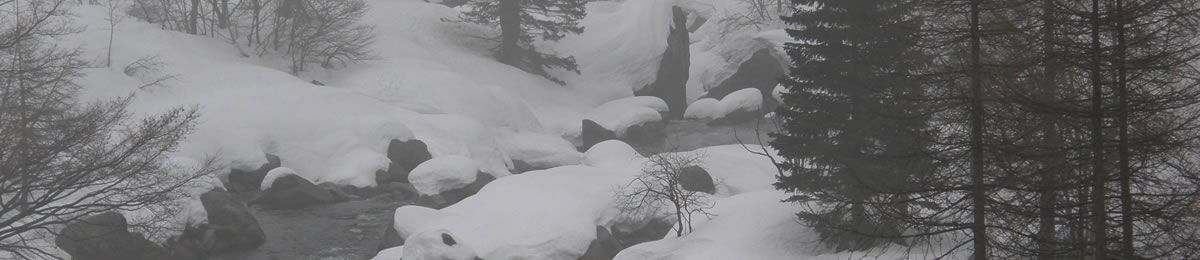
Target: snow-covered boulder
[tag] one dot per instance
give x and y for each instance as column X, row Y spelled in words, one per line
column 241, row 180
column 545, row 214
column 437, row 244
column 739, row 106
column 594, row 133
column 443, row 174
column 613, row 153
column 705, row 108
column 695, row 178
column 287, row 190
column 534, row 151
column 393, row 253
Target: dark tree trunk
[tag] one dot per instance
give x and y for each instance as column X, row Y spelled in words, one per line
column 1047, row 203
column 510, row 33
column 1123, row 135
column 978, row 193
column 1099, row 175
column 194, row 17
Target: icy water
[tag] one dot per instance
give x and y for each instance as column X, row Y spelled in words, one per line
column 349, row 230
column 354, row 229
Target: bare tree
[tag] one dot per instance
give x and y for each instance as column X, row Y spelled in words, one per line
column 660, row 186
column 115, row 16
column 60, row 160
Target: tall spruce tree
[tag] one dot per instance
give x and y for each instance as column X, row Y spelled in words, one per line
column 523, row 21
column 854, row 135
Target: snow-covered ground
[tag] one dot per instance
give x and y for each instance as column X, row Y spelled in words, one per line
column 436, row 81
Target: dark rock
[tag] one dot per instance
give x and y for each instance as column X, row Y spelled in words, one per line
column 456, row 195
column 230, row 225
column 593, row 134
column 405, row 156
column 671, row 81
column 316, row 82
column 291, row 192
column 391, row 238
column 761, row 71
column 604, row 247
column 655, row 230
column 694, row 178
column 649, row 133
column 243, row 181
column 447, row 198
column 520, row 166
column 340, row 193
column 106, row 236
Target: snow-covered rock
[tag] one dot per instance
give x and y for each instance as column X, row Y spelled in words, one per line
column 442, row 174
column 538, row 151
column 619, row 117
column 269, row 179
column 395, row 253
column 612, row 153
column 705, row 108
column 437, row 244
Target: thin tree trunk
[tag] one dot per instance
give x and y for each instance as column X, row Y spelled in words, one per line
column 510, row 30
column 978, row 195
column 1050, row 176
column 193, row 17
column 1099, row 175
column 1123, row 135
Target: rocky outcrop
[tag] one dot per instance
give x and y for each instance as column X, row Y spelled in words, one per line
column 243, row 180
column 694, row 178
column 604, row 247
column 670, row 83
column 292, row 191
column 761, row 71
column 649, row 133
column 106, row 236
column 405, row 156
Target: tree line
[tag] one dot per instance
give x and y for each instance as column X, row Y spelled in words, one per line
column 1010, row 128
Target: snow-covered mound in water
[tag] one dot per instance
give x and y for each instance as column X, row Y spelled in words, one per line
column 546, row 214
column 442, row 174
column 744, row 100
column 540, row 151
column 621, row 114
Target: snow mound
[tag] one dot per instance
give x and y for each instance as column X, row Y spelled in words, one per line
column 540, row 150
column 620, row 51
column 744, row 100
column 748, row 226
column 464, row 136
column 705, row 108
column 394, row 253
column 612, row 153
column 736, row 169
column 652, row 102
column 275, row 174
column 443, row 173
column 619, row 116
column 437, row 244
column 408, row 219
column 544, row 214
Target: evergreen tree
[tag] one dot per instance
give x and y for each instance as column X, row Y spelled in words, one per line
column 854, row 136
column 522, row 22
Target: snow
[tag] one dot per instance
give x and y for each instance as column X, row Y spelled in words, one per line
column 705, row 108
column 464, row 136
column 612, row 153
column 651, row 102
column 545, row 214
column 744, row 100
column 621, row 114
column 443, row 173
column 394, row 253
column 430, row 244
column 736, row 169
column 540, row 150
column 275, row 174
column 408, row 219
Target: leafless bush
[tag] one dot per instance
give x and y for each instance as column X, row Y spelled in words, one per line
column 660, row 187
column 148, row 70
column 60, row 160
